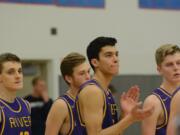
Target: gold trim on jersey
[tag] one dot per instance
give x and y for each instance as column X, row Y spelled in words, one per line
column 71, row 117
column 3, row 120
column 164, row 111
column 165, row 92
column 79, row 115
column 27, row 105
column 105, row 105
column 104, row 95
column 70, row 96
column 17, row 111
column 105, row 101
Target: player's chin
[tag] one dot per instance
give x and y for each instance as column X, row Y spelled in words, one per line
column 18, row 87
column 176, row 80
column 116, row 72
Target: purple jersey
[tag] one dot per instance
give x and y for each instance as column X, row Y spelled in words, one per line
column 109, row 109
column 15, row 117
column 178, row 89
column 165, row 99
column 71, row 108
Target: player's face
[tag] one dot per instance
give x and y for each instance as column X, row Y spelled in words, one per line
column 170, row 68
column 81, row 74
column 108, row 61
column 11, row 77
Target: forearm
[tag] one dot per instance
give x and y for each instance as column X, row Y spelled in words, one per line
column 146, row 131
column 118, row 128
column 52, row 128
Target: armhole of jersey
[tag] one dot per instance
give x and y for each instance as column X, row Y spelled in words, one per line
column 70, row 115
column 28, row 106
column 77, row 106
column 3, row 121
column 79, row 114
column 105, row 105
column 164, row 111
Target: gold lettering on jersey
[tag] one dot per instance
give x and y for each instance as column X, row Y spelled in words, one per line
column 20, row 122
column 113, row 109
column 12, row 122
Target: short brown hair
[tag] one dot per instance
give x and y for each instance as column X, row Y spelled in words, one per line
column 69, row 62
column 164, row 50
column 6, row 57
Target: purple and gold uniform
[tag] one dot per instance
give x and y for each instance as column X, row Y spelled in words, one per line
column 70, row 101
column 15, row 117
column 178, row 89
column 165, row 99
column 110, row 115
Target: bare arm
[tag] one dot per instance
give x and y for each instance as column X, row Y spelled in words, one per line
column 174, row 112
column 91, row 104
column 149, row 124
column 56, row 117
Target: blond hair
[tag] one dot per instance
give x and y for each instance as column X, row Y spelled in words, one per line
column 164, row 50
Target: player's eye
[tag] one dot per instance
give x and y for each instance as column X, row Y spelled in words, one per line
column 20, row 71
column 81, row 73
column 178, row 62
column 11, row 71
column 168, row 64
column 117, row 54
column 108, row 55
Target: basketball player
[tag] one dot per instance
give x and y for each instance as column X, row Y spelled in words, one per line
column 75, row 71
column 14, row 111
column 168, row 65
column 174, row 119
column 95, row 105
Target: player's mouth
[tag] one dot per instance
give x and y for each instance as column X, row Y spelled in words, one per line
column 18, row 82
column 115, row 66
column 177, row 75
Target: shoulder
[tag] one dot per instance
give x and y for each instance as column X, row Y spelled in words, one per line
column 23, row 100
column 153, row 101
column 59, row 106
column 58, row 112
column 176, row 99
column 60, row 103
column 91, row 95
column 27, row 104
column 91, row 90
column 177, row 95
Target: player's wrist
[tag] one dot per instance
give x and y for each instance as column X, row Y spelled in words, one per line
column 130, row 118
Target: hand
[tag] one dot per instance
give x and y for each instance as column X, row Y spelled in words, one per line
column 129, row 100
column 44, row 95
column 138, row 114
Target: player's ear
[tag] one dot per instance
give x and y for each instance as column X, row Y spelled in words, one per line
column 0, row 78
column 68, row 78
column 94, row 62
column 159, row 69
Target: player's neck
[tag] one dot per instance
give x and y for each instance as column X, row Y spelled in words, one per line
column 170, row 87
column 103, row 80
column 73, row 92
column 7, row 95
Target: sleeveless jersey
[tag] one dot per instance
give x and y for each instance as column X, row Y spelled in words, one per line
column 110, row 115
column 71, row 108
column 15, row 117
column 165, row 99
column 178, row 89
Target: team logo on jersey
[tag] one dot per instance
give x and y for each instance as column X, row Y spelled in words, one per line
column 113, row 109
